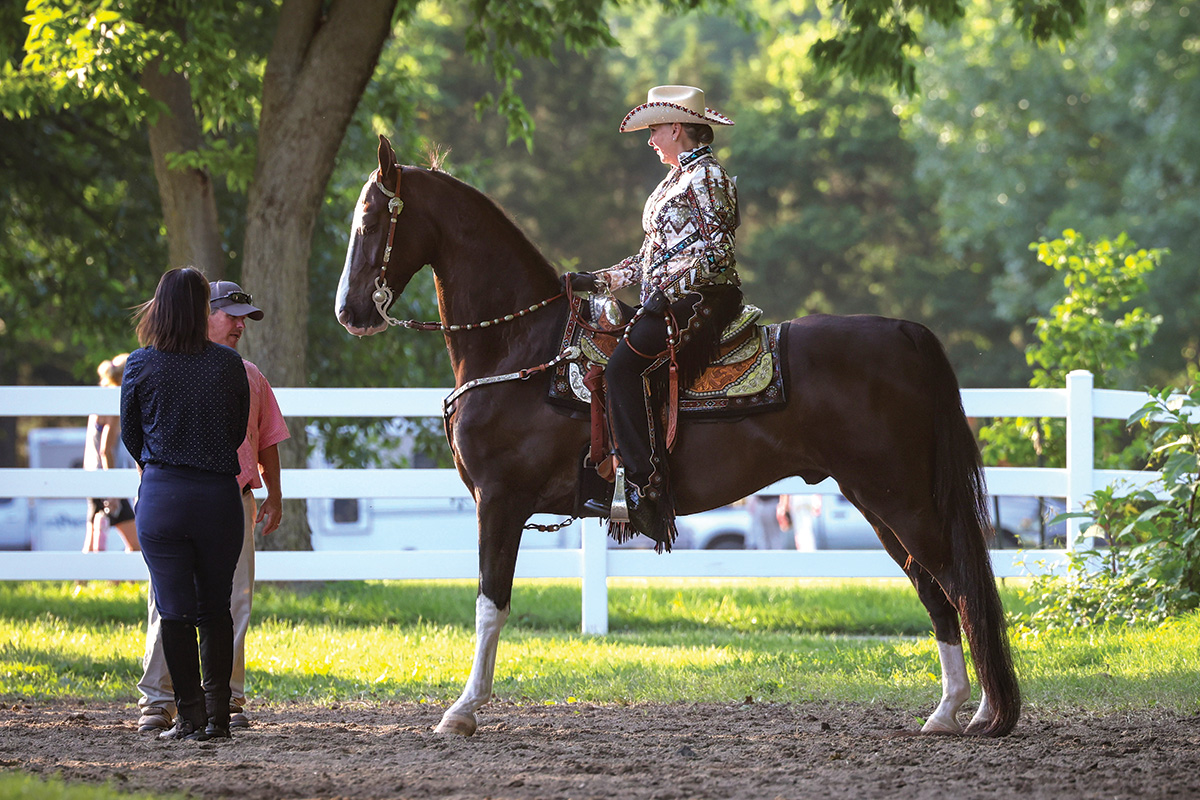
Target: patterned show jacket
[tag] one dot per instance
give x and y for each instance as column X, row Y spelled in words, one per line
column 689, row 222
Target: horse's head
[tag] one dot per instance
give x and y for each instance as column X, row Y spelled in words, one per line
column 383, row 254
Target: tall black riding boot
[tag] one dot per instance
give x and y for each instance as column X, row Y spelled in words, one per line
column 216, row 661
column 179, row 650
column 641, row 452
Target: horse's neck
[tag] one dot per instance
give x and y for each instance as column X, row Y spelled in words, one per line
column 486, row 274
column 506, row 346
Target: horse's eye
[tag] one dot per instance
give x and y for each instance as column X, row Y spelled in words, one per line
column 369, row 228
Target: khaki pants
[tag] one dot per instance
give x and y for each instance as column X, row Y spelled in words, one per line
column 155, row 686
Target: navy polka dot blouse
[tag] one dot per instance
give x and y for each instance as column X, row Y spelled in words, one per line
column 185, row 409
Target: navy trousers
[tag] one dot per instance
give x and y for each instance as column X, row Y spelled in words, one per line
column 190, row 526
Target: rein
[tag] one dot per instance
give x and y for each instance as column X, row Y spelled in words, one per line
column 569, row 354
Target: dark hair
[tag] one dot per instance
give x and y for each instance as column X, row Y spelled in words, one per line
column 698, row 132
column 176, row 320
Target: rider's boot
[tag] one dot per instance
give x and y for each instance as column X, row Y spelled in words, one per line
column 642, row 509
column 649, row 516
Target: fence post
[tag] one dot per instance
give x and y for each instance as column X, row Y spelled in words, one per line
column 594, row 572
column 1081, row 447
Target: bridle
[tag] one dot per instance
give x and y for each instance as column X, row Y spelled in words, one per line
column 382, row 296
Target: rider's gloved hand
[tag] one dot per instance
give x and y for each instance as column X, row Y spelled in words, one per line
column 656, row 303
column 584, row 282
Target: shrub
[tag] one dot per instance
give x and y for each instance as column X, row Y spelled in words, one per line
column 1146, row 565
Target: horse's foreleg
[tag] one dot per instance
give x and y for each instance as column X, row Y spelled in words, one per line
column 499, row 537
column 489, row 621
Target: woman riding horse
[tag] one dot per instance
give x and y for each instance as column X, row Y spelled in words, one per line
column 873, row 403
column 689, row 293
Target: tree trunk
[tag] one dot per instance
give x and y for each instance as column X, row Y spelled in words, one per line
column 188, row 204
column 321, row 59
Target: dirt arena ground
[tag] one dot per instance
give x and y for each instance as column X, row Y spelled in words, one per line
column 655, row 752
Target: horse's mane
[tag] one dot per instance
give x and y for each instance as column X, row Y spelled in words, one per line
column 489, row 206
column 437, row 156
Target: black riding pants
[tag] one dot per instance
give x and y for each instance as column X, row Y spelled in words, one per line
column 628, row 382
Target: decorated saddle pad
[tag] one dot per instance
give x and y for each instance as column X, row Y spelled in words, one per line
column 747, row 377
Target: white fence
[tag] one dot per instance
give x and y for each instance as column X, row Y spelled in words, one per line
column 1079, row 402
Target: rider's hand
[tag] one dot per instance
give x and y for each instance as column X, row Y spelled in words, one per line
column 656, row 303
column 584, row 282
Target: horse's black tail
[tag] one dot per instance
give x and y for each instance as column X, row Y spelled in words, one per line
column 969, row 582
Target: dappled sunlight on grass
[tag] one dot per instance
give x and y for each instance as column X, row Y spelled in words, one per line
column 685, row 641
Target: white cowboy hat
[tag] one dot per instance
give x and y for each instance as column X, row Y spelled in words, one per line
column 672, row 104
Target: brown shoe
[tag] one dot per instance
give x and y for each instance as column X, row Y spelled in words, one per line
column 154, row 720
column 237, row 717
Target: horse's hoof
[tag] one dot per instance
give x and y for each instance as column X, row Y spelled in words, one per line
column 457, row 724
column 934, row 725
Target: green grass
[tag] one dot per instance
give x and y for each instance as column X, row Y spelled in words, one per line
column 14, row 786
column 671, row 640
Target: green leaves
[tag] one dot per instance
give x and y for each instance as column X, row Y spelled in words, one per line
column 877, row 40
column 1093, row 327
column 235, row 162
column 1043, row 20
column 82, row 50
column 503, row 32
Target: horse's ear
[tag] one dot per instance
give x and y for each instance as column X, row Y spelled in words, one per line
column 387, row 160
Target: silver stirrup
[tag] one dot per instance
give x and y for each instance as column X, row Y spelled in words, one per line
column 619, row 512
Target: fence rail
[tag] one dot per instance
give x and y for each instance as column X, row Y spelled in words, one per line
column 1078, row 402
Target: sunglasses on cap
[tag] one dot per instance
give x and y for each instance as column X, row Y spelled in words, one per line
column 235, row 297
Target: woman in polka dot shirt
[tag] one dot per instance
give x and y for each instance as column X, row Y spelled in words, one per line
column 184, row 406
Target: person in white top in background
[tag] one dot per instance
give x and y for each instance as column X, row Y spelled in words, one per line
column 100, row 452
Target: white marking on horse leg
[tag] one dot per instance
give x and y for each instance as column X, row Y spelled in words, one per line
column 984, row 714
column 956, row 688
column 489, row 621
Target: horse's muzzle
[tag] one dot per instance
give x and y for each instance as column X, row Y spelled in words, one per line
column 368, row 331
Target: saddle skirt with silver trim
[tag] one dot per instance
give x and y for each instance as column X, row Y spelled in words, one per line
column 746, row 377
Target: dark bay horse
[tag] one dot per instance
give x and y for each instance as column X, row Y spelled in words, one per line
column 873, row 402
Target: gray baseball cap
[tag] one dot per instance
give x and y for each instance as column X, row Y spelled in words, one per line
column 227, row 296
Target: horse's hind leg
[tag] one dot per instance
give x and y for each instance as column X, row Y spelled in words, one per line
column 498, row 542
column 956, row 685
